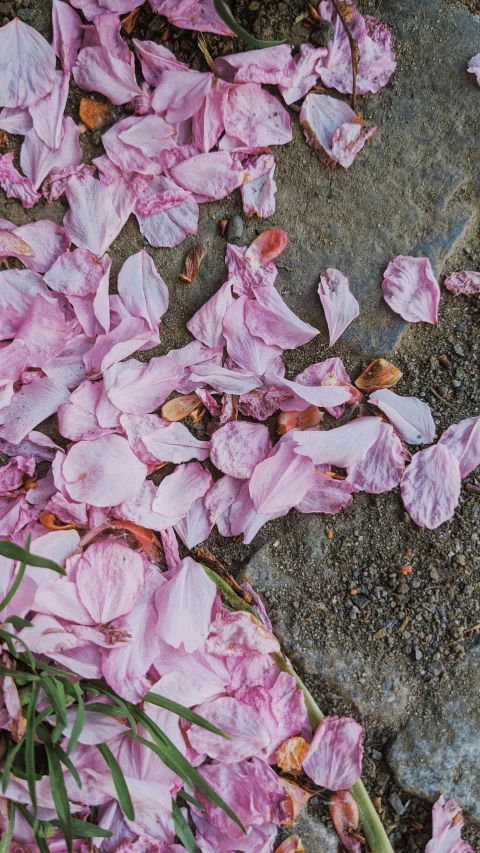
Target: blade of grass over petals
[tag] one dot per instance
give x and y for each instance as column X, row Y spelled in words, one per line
column 17, row 622
column 84, row 829
column 183, row 830
column 79, row 719
column 186, row 713
column 56, row 694
column 23, row 555
column 184, row 795
column 225, row 14
column 118, row 780
column 63, row 757
column 34, row 824
column 11, row 755
column 8, row 834
column 30, row 746
column 21, row 677
column 97, row 689
column 59, row 794
column 234, row 600
column 16, row 583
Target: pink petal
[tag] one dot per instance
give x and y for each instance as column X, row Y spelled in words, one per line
column 15, row 120
column 465, row 283
column 24, row 53
column 37, row 159
column 195, row 526
column 143, row 291
column 330, row 372
column 155, row 59
column 245, row 349
column 238, row 634
column 338, row 302
column 411, row 417
column 180, row 93
column 244, row 277
column 175, row 443
column 327, row 495
column 184, row 605
column 268, row 317
column 256, row 117
column 138, row 388
column 258, row 195
column 269, row 65
column 47, row 113
column 192, row 15
column 135, row 428
column 13, row 183
column 30, row 406
column 55, row 185
column 121, row 342
column 103, row 472
column 97, row 212
column 382, row 469
column 77, row 273
column 281, row 481
column 334, row 759
column 209, row 176
column 238, row 447
column 431, row 486
column 177, row 491
column 218, row 501
column 138, row 509
column 207, row 324
column 342, row 446
column 303, row 74
column 299, row 397
column 463, row 440
column 474, row 67
column 332, row 129
column 190, row 355
column 77, row 419
column 109, row 578
column 207, row 121
column 47, row 239
column 345, row 816
column 261, row 403
column 266, row 247
column 67, row 33
column 44, row 331
column 139, row 144
column 97, row 70
column 13, row 359
column 411, row 289
column 223, row 379
column 18, row 289
column 173, row 217
column 447, row 825
column 248, row 732
column 170, row 548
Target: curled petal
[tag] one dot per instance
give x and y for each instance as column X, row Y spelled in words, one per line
column 463, row 440
column 411, row 289
column 465, row 283
column 411, row 417
column 379, row 374
column 334, row 759
column 339, row 304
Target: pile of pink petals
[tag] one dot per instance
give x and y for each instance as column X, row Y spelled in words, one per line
column 191, row 137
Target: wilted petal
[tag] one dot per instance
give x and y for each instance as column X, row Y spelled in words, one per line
column 175, row 443
column 380, row 373
column 269, row 317
column 37, row 159
column 465, row 283
column 290, row 755
column 209, row 176
column 155, row 59
column 27, row 65
column 411, row 417
column 238, row 447
column 344, row 813
column 463, row 440
column 258, row 195
column 14, row 184
column 383, row 467
column 207, row 121
column 268, row 65
column 338, row 302
column 244, row 725
column 67, row 33
column 332, row 128
column 184, row 605
column 255, row 117
column 77, row 419
column 12, row 245
column 192, row 15
column 103, row 472
column 281, row 481
column 177, row 491
column 236, row 634
column 266, row 247
column 98, row 70
column 109, row 577
column 218, row 501
column 261, row 403
column 304, row 73
column 225, row 380
column 30, row 406
column 327, row 495
column 431, row 486
column 97, row 212
column 342, row 446
column 47, row 113
column 334, row 759
column 411, row 289
column 139, row 388
column 447, row 824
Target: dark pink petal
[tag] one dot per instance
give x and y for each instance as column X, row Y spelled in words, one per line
column 377, row 58
column 345, row 816
column 139, row 388
column 173, row 216
column 474, row 68
column 321, row 118
column 37, row 159
column 261, row 403
column 143, row 290
column 463, row 440
column 15, row 120
column 382, row 469
column 155, row 59
column 27, row 65
column 97, row 212
column 248, row 351
column 411, row 417
column 192, row 15
column 326, row 495
column 256, row 117
column 334, row 759
column 179, row 490
column 269, row 65
column 103, row 472
column 338, row 303
column 303, row 74
column 30, row 406
column 342, row 446
column 47, row 239
column 431, row 486
column 47, row 113
column 281, row 481
column 207, row 324
column 16, row 185
column 411, row 289
column 195, row 526
column 97, row 70
column 465, row 283
column 109, row 578
column 268, row 317
column 67, row 33
column 175, row 443
column 266, row 247
column 223, row 379
column 209, row 176
column 180, row 93
column 238, row 447
column 447, row 825
column 112, row 347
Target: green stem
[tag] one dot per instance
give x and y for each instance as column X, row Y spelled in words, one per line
column 372, row 826
column 225, row 14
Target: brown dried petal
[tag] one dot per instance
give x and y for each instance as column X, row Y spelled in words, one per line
column 93, row 114
column 292, row 844
column 48, row 520
column 180, row 407
column 297, row 800
column 192, row 263
column 344, row 813
column 11, row 244
column 129, row 21
column 379, row 374
column 307, row 419
column 290, row 755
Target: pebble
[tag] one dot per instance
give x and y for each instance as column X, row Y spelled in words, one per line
column 461, row 560
column 435, row 667
column 26, row 14
column 234, row 228
column 459, row 350
column 6, row 9
column 396, row 803
column 322, row 33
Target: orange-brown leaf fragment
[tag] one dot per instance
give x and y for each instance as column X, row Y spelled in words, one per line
column 379, row 374
column 290, row 755
column 296, row 802
column 292, row 844
column 48, row 520
column 145, row 537
column 93, row 114
column 192, row 263
column 12, row 244
column 197, row 414
column 344, row 813
column 180, row 407
column 129, row 21
column 307, row 419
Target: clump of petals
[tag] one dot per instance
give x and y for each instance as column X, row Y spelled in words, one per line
column 465, row 283
column 333, row 129
column 447, row 824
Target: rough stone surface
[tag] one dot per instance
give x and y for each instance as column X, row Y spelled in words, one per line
column 316, row 837
column 439, row 748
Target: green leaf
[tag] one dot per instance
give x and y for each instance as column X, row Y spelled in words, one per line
column 16, row 583
column 118, row 780
column 183, row 830
column 9, row 761
column 41, row 843
column 184, row 712
column 79, row 719
column 64, row 758
column 224, row 12
column 189, row 799
column 84, row 829
column 59, row 794
column 17, row 622
column 56, row 694
column 21, row 677
column 30, row 747
column 23, row 555
column 8, row 834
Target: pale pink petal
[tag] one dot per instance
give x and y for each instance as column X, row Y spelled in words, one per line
column 68, row 367
column 138, row 509
column 18, row 289
column 334, row 759
column 269, row 65
column 140, row 144
column 142, row 289
column 106, row 32
column 207, row 121
column 207, row 324
column 244, row 725
column 261, row 403
column 238, row 634
column 55, row 185
column 269, row 317
column 299, row 397
column 248, row 351
column 342, row 446
column 330, row 372
column 196, row 525
column 15, row 120
column 223, row 379
column 47, row 113
column 97, row 213
column 97, row 70
column 14, row 184
column 83, row 278
column 338, row 303
column 135, row 428
column 188, row 356
column 77, row 419
column 431, row 486
column 103, row 472
column 280, row 482
column 155, row 59
column 332, row 129
column 447, row 825
column 327, row 495
column 67, row 33
column 13, row 359
column 30, row 406
column 109, row 349
column 411, row 289
column 303, row 74
column 36, row 444
column 463, row 440
column 474, row 68
column 256, row 117
column 184, row 605
column 170, row 547
column 382, row 469
column 465, row 283
column 218, row 501
column 44, row 331
column 166, row 214
column 244, row 277
column 180, row 93
column 258, row 195
column 109, row 578
column 37, row 159
column 175, row 443
column 177, row 491
column 192, row 15
column 47, row 239
column 27, row 65
column 411, row 417
column 209, row 176
column 238, row 447
column 139, row 388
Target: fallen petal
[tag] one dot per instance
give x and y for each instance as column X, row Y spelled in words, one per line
column 267, row 246
column 411, row 289
column 334, row 759
column 344, row 813
column 379, row 374
column 411, row 417
column 238, row 447
column 339, row 304
column 463, row 440
column 342, row 446
column 465, row 283
column 27, row 65
column 431, row 486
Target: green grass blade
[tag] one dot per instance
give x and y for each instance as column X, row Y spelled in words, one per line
column 56, row 694
column 184, row 712
column 21, row 677
column 9, row 762
column 79, row 719
column 189, row 799
column 23, row 555
column 84, row 829
column 59, row 794
column 41, row 843
column 30, row 746
column 118, row 780
column 7, row 836
column 183, row 830
column 64, row 758
column 19, row 623
column 16, row 583
column 225, row 14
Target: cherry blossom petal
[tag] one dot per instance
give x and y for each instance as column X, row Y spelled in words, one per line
column 342, row 446
column 37, row 159
column 243, row 277
column 209, row 176
column 143, row 290
column 334, row 759
column 103, row 472
column 192, row 15
column 207, row 324
column 109, row 578
column 138, row 509
column 447, row 825
column 180, row 93
column 195, row 526
column 344, row 813
column 177, row 491
column 248, row 351
column 175, row 443
column 30, row 406
column 47, row 240
column 97, row 213
column 474, row 68
column 261, row 403
column 269, row 317
column 465, row 283
column 168, row 222
column 338, row 302
column 155, row 59
column 44, row 331
column 14, row 184
column 463, row 440
column 27, row 65
column 138, row 388
column 18, row 289
column 112, row 347
column 299, row 397
column 411, row 417
column 13, row 359
column 304, row 74
column 47, row 113
column 280, row 482
column 55, row 185
column 411, row 289
column 269, row 65
column 258, row 195
column 330, row 372
column 431, row 486
column 77, row 419
column 15, row 120
column 207, row 121
column 184, row 606
column 382, row 469
column 67, row 33
column 223, row 379
column 238, row 447
column 98, row 70
column 331, row 127
column 242, row 723
column 140, row 144
column 326, row 495
column 266, row 247
column 256, row 117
